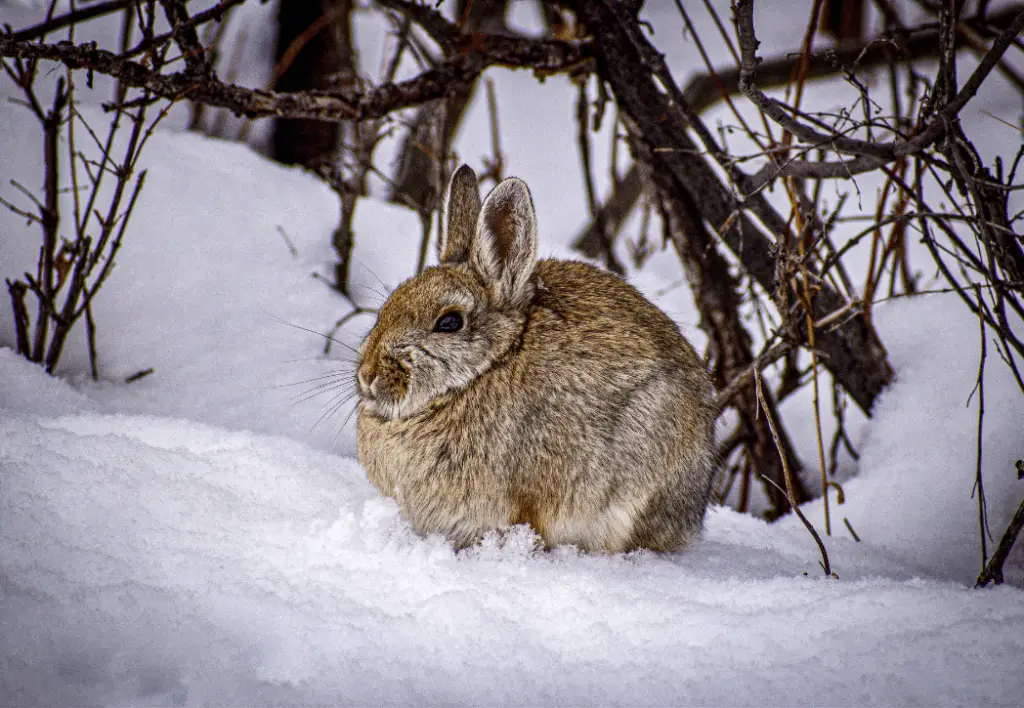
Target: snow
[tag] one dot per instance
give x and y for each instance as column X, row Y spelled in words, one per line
column 205, row 536
column 921, row 444
column 154, row 560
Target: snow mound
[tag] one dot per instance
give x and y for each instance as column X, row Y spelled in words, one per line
column 155, row 561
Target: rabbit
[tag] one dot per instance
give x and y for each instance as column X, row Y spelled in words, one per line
column 496, row 389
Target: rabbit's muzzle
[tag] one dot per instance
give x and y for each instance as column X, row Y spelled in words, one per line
column 383, row 383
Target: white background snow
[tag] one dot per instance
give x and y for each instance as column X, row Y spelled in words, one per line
column 202, row 536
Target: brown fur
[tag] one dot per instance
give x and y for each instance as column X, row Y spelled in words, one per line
column 567, row 401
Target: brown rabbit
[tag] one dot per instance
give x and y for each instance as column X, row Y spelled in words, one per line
column 496, row 389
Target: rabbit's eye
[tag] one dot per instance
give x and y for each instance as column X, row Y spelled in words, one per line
column 448, row 322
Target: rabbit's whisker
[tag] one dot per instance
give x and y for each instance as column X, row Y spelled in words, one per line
column 319, row 358
column 369, row 270
column 332, row 375
column 331, row 407
column 313, row 331
column 369, row 289
column 321, row 390
column 347, row 418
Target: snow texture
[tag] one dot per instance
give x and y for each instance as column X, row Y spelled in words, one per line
column 153, row 560
column 205, row 535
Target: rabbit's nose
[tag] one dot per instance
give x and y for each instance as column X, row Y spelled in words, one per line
column 366, row 384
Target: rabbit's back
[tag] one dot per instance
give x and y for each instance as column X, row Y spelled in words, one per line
column 607, row 326
column 626, row 417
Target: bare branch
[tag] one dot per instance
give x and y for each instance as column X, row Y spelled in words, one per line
column 550, row 56
column 704, row 90
column 825, row 565
column 72, row 18
column 743, row 379
column 871, row 154
column 445, row 33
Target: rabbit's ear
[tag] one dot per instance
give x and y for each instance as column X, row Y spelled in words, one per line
column 505, row 248
column 459, row 215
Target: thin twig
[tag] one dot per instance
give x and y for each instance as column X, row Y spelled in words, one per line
column 993, row 572
column 849, row 528
column 826, row 566
column 979, row 484
column 72, row 18
column 869, row 155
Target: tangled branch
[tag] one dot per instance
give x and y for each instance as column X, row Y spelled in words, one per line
column 479, row 53
column 868, row 155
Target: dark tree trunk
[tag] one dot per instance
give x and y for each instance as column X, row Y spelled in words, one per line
column 843, row 19
column 314, row 51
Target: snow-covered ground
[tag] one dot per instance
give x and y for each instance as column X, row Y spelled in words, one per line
column 205, row 535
